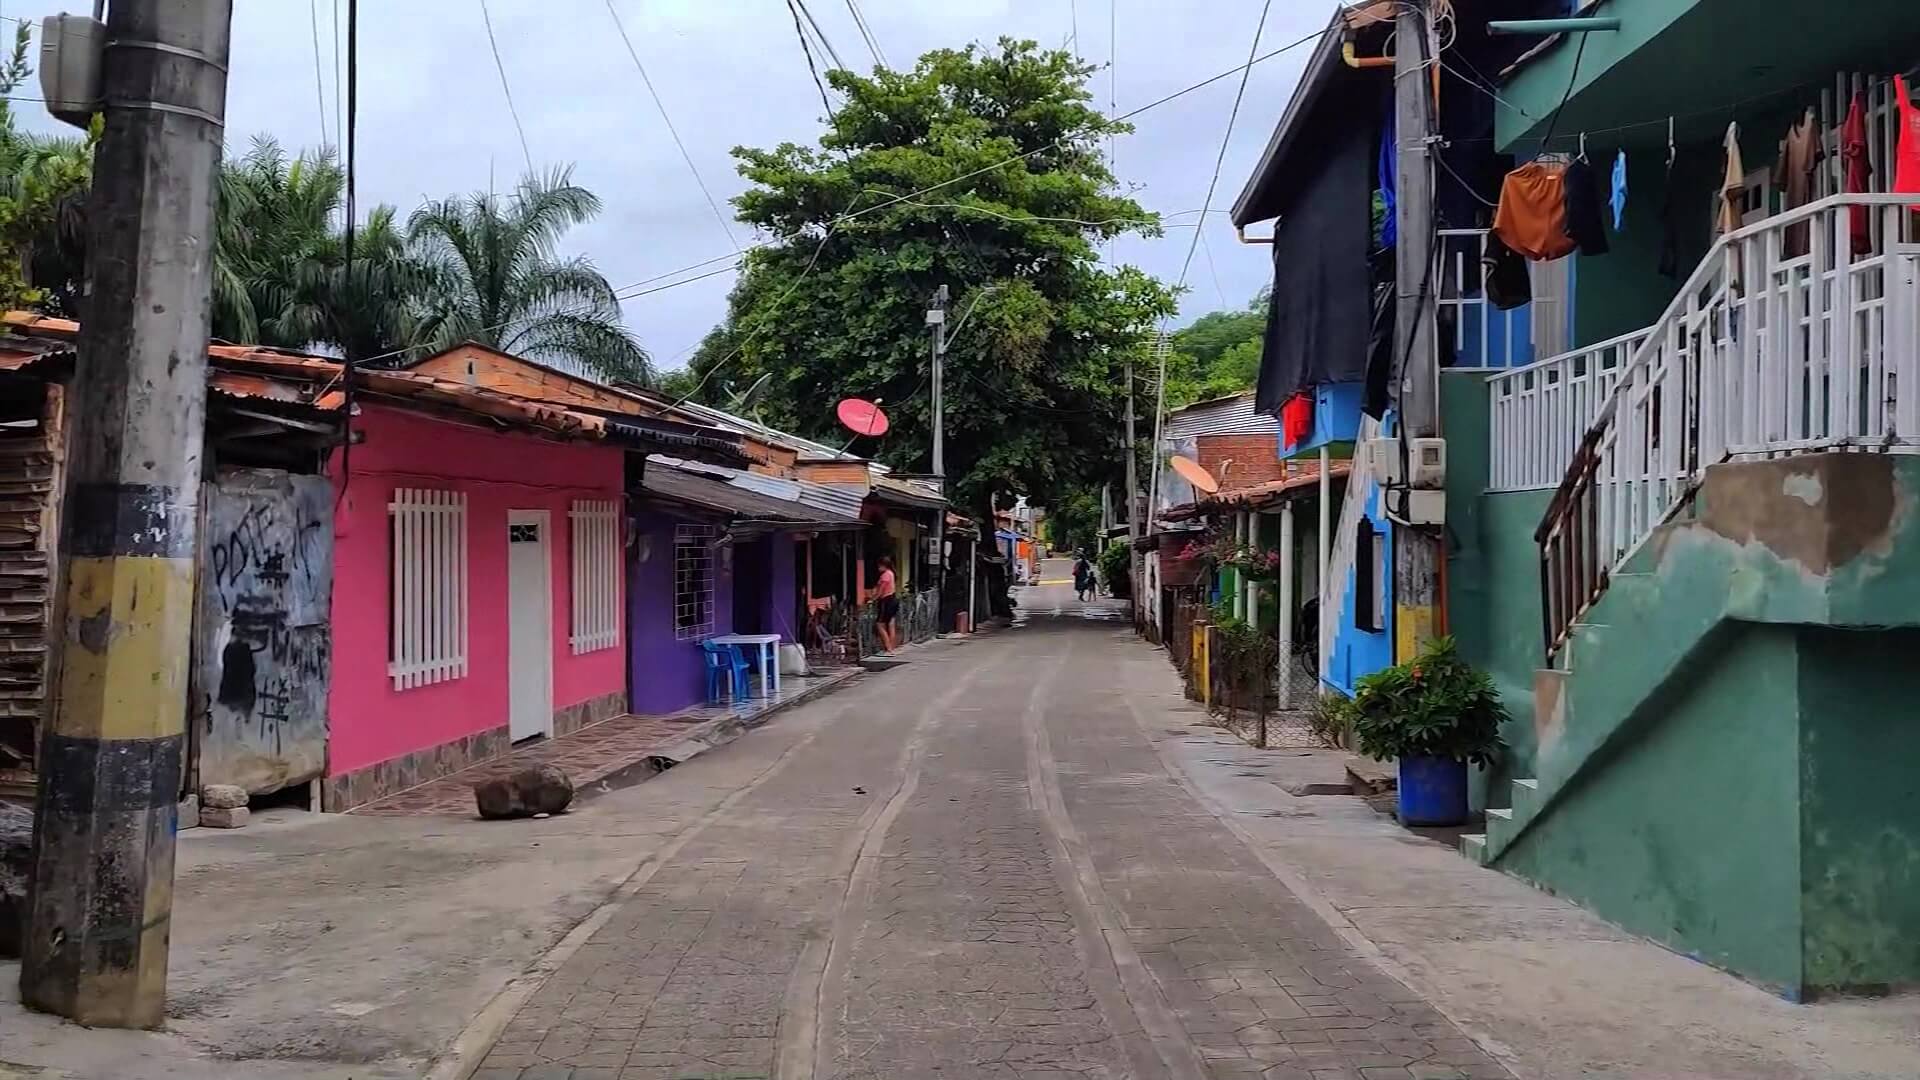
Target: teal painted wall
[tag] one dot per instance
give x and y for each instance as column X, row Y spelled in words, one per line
column 1493, row 568
column 1690, row 834
column 1860, row 807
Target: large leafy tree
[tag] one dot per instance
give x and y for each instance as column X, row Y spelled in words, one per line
column 1217, row 354
column 1021, row 201
column 495, row 276
column 43, row 191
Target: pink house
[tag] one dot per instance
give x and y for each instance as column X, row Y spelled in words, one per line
column 478, row 601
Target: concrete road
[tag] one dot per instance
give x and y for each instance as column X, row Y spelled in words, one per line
column 986, row 870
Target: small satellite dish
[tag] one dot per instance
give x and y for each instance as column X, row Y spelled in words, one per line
column 861, row 417
column 1194, row 473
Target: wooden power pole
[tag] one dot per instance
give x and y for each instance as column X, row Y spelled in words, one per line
column 110, row 767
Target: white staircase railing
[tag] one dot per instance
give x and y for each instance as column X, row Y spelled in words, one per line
column 1784, row 340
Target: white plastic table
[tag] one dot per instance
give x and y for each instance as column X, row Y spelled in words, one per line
column 768, row 647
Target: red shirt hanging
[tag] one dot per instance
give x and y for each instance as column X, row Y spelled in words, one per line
column 1857, row 170
column 1906, row 169
column 1296, row 420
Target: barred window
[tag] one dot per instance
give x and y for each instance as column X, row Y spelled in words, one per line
column 596, row 575
column 692, row 582
column 427, row 587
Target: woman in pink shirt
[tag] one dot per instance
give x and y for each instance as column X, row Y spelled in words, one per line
column 887, row 607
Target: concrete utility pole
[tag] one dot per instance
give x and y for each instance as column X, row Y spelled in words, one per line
column 1133, row 502
column 110, row 770
column 937, row 319
column 1417, row 552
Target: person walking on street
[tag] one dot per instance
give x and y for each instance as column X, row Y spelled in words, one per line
column 1082, row 576
column 887, row 607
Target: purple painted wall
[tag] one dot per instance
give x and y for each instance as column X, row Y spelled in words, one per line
column 666, row 674
column 779, row 606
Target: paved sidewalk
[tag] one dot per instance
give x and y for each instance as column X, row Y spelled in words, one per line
column 601, row 750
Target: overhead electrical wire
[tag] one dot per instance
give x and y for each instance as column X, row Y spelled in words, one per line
column 866, row 32
column 806, row 49
column 1219, row 162
column 712, row 203
column 339, row 86
column 832, row 53
column 319, row 82
column 835, row 223
column 487, row 17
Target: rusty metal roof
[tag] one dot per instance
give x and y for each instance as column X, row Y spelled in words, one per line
column 1256, row 496
column 40, row 345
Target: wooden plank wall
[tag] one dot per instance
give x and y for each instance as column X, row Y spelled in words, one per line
column 31, row 468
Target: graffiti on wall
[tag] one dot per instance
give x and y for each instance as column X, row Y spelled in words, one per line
column 261, row 636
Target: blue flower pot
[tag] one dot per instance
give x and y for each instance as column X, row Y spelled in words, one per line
column 1433, row 791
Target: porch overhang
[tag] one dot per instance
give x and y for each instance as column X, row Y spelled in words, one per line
column 1700, row 62
column 739, row 496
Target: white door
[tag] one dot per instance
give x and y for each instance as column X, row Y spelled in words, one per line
column 529, row 626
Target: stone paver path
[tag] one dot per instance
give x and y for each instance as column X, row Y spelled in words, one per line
column 980, row 868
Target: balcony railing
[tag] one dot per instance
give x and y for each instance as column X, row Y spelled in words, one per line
column 1784, row 340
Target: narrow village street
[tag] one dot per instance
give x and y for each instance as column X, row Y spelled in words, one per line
column 985, row 871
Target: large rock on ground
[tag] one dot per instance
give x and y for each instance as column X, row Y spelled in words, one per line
column 544, row 789
column 16, row 862
column 538, row 789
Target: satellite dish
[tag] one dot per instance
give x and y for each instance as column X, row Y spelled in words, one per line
column 862, row 417
column 1194, row 473
column 750, row 397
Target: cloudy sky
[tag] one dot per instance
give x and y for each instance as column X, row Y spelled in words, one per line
column 433, row 119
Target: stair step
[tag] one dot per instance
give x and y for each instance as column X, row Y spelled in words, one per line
column 1526, row 795
column 1474, row 846
column 1500, row 827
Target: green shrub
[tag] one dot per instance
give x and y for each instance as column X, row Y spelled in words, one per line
column 1114, row 570
column 1438, row 705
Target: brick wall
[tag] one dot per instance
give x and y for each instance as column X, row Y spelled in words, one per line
column 1239, row 461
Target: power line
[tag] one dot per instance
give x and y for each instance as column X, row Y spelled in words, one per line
column 806, row 50
column 1017, row 158
column 832, row 52
column 866, row 32
column 339, row 91
column 319, row 84
column 1219, row 161
column 487, row 17
column 712, row 203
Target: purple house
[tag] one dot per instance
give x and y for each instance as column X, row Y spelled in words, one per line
column 714, row 552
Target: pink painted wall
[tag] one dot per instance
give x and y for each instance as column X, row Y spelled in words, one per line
column 369, row 720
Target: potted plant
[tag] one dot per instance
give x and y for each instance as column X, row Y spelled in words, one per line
column 1436, row 715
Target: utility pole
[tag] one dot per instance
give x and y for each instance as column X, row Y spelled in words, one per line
column 1133, row 502
column 1417, row 552
column 937, row 319
column 110, row 771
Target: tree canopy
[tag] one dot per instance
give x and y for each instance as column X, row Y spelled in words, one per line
column 1022, row 200
column 1217, row 354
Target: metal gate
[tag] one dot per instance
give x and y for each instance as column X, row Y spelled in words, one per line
column 262, row 642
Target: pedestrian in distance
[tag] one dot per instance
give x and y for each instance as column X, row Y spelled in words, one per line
column 887, row 607
column 1082, row 576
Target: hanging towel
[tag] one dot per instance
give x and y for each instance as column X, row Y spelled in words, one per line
column 1731, row 200
column 1584, row 223
column 1296, row 420
column 1906, row 172
column 1618, row 200
column 1532, row 216
column 1856, row 164
column 1388, row 167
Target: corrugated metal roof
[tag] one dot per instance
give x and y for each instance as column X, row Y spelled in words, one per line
column 803, row 500
column 1222, row 416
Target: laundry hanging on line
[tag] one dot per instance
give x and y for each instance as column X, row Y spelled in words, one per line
column 1856, row 171
column 1532, row 216
column 1617, row 199
column 1584, row 222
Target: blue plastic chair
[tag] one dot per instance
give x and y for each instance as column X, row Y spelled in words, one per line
column 725, row 665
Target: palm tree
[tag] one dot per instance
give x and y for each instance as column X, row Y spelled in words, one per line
column 495, row 277
column 275, row 228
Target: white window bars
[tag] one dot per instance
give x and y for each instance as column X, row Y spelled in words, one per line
column 596, row 574
column 427, row 588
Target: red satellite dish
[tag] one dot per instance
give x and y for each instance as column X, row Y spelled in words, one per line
column 861, row 417
column 1194, row 473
